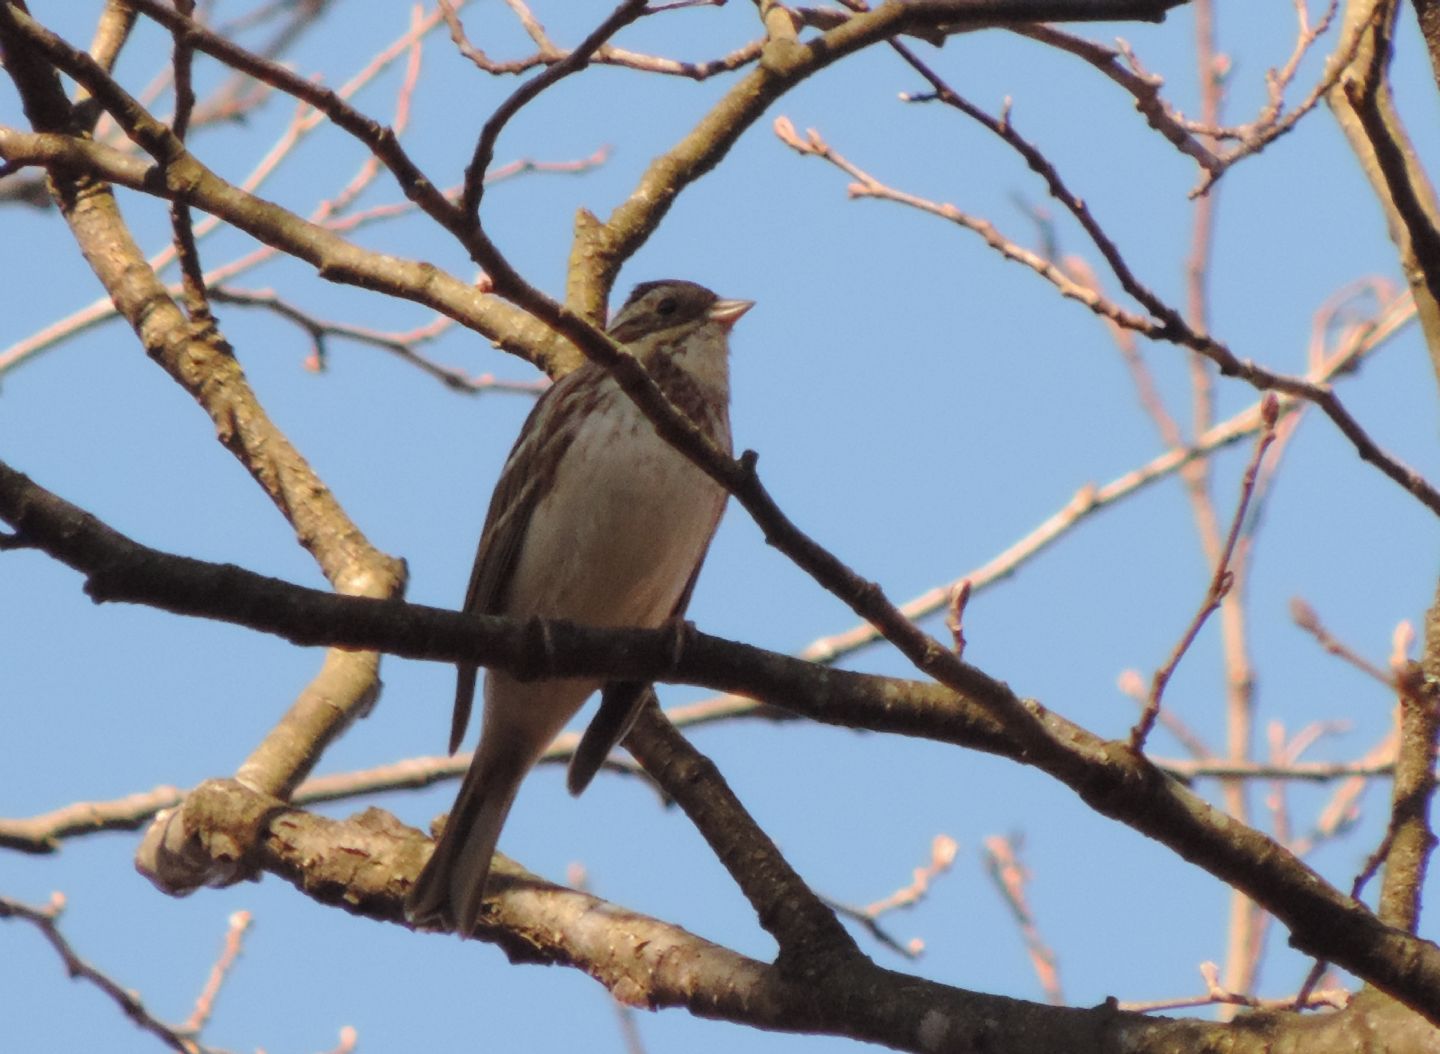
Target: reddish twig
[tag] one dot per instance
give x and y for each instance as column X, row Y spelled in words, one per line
column 548, row 54
column 943, row 850
column 1220, row 581
column 955, row 616
column 46, row 921
column 1206, row 762
column 229, row 953
column 625, row 13
column 1009, row 876
column 1164, row 322
column 1305, row 617
column 1361, row 340
column 404, row 345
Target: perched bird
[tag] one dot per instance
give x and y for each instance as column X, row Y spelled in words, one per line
column 596, row 519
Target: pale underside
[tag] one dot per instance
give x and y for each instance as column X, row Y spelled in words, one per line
column 612, row 543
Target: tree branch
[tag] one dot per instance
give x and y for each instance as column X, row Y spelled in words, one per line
column 1111, row 779
column 812, row 941
column 197, row 356
column 364, row 866
column 1411, row 840
column 1364, row 107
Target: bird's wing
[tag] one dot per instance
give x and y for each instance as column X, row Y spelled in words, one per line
column 525, row 477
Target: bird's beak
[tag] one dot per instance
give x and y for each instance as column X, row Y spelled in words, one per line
column 728, row 312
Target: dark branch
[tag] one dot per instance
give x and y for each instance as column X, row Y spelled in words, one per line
column 1108, row 777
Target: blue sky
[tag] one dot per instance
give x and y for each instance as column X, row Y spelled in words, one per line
column 917, row 402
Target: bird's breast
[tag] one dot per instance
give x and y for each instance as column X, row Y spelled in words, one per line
column 619, row 532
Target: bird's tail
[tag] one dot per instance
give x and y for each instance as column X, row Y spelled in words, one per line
column 450, row 889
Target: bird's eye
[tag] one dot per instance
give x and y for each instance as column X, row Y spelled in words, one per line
column 667, row 306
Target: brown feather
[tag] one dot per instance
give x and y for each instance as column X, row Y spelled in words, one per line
column 620, row 517
column 522, row 481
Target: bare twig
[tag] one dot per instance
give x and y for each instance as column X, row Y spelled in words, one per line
column 943, row 850
column 1144, row 87
column 1360, row 341
column 627, row 11
column 404, row 345
column 955, row 616
column 1197, row 138
column 176, row 1037
column 1164, row 322
column 1220, row 581
column 1362, row 769
column 1217, row 995
column 1010, row 876
column 547, row 54
column 1306, row 618
column 1204, row 757
column 1274, row 121
column 195, row 296
column 229, row 954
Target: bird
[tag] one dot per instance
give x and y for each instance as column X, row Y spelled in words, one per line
column 596, row 519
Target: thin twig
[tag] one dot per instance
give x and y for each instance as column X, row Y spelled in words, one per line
column 1164, row 324
column 229, row 955
column 1010, row 876
column 547, row 53
column 1217, row 995
column 1306, row 618
column 46, row 921
column 196, row 301
column 943, row 850
column 1220, row 581
column 404, row 345
column 627, row 11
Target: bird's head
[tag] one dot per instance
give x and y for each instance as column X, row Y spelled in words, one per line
column 655, row 308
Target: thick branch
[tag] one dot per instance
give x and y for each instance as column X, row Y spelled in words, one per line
column 1411, row 840
column 1365, row 110
column 812, row 941
column 334, row 258
column 196, row 355
column 364, row 865
column 1111, row 779
column 1427, row 12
